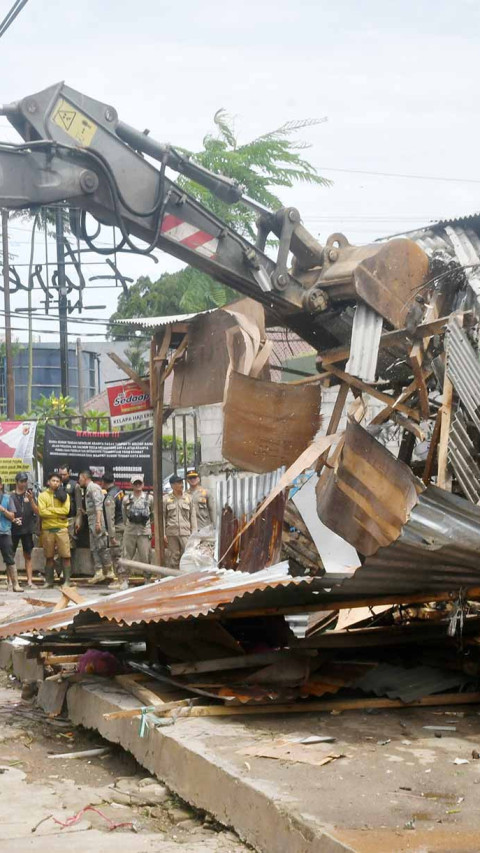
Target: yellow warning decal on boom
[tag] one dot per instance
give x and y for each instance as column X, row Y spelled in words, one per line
column 73, row 122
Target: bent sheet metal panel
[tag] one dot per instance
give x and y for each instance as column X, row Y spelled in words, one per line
column 268, row 424
column 367, row 498
column 438, row 550
column 192, row 595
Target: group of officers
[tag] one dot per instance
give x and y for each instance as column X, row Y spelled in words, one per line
column 119, row 522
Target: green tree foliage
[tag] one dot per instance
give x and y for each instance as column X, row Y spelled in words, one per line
column 59, row 410
column 136, row 355
column 263, row 167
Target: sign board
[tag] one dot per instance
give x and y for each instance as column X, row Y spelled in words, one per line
column 129, row 404
column 17, row 445
column 123, row 453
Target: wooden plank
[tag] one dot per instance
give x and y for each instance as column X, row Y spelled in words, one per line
column 132, row 374
column 387, row 411
column 444, row 481
column 157, row 364
column 373, row 392
column 399, row 336
column 473, row 593
column 57, row 660
column 416, row 362
column 237, row 662
column 73, row 595
column 171, row 364
column 144, row 694
column 334, row 422
column 329, row 705
column 136, row 712
column 428, row 470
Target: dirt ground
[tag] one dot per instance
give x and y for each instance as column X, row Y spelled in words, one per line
column 39, row 792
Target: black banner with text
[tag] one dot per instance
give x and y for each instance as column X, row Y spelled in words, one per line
column 124, row 453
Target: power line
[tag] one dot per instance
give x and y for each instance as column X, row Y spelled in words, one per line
column 398, row 175
column 11, row 15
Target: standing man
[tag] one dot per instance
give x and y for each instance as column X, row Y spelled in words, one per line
column 137, row 509
column 24, row 522
column 113, row 515
column 74, row 492
column 7, row 514
column 202, row 500
column 54, row 515
column 179, row 521
column 102, row 561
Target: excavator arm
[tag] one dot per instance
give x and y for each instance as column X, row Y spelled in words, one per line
column 76, row 150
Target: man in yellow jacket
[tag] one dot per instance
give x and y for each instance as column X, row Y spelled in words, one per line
column 54, row 514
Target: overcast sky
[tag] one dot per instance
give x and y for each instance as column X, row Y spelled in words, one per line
column 398, row 83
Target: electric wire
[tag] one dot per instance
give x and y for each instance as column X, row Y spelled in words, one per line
column 11, row 15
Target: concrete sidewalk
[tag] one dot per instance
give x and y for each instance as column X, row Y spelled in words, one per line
column 394, row 775
column 395, row 788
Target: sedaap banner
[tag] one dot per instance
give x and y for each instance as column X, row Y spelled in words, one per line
column 123, row 453
column 17, row 446
column 128, row 403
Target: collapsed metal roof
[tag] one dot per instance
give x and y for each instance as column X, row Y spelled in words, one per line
column 198, row 594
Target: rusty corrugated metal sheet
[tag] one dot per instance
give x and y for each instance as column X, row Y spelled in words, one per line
column 192, row 595
column 438, row 550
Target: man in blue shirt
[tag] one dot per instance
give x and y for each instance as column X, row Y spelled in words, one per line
column 7, row 514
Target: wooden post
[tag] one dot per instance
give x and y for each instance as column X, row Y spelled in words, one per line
column 158, row 353
column 443, row 478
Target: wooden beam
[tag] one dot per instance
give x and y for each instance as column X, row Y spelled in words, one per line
column 387, row 411
column 443, row 479
column 379, row 395
column 472, row 594
column 132, row 374
column 306, row 707
column 157, row 365
column 176, row 355
column 334, row 422
column 428, row 470
column 399, row 336
column 129, row 713
column 236, row 662
column 416, row 362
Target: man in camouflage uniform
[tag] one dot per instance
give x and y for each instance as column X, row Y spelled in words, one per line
column 112, row 512
column 202, row 499
column 102, row 561
column 179, row 521
column 137, row 510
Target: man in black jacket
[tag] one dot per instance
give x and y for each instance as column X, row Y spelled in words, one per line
column 23, row 524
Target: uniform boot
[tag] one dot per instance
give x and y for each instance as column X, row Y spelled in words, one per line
column 49, row 577
column 108, row 573
column 97, row 578
column 120, row 584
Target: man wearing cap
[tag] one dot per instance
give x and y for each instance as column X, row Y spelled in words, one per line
column 202, row 500
column 102, row 560
column 24, row 522
column 137, row 510
column 179, row 521
column 113, row 515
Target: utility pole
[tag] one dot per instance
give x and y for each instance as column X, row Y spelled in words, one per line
column 8, row 325
column 81, row 400
column 62, row 300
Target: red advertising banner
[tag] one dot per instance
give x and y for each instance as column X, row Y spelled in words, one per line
column 129, row 404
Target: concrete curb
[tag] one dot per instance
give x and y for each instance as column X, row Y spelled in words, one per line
column 179, row 756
